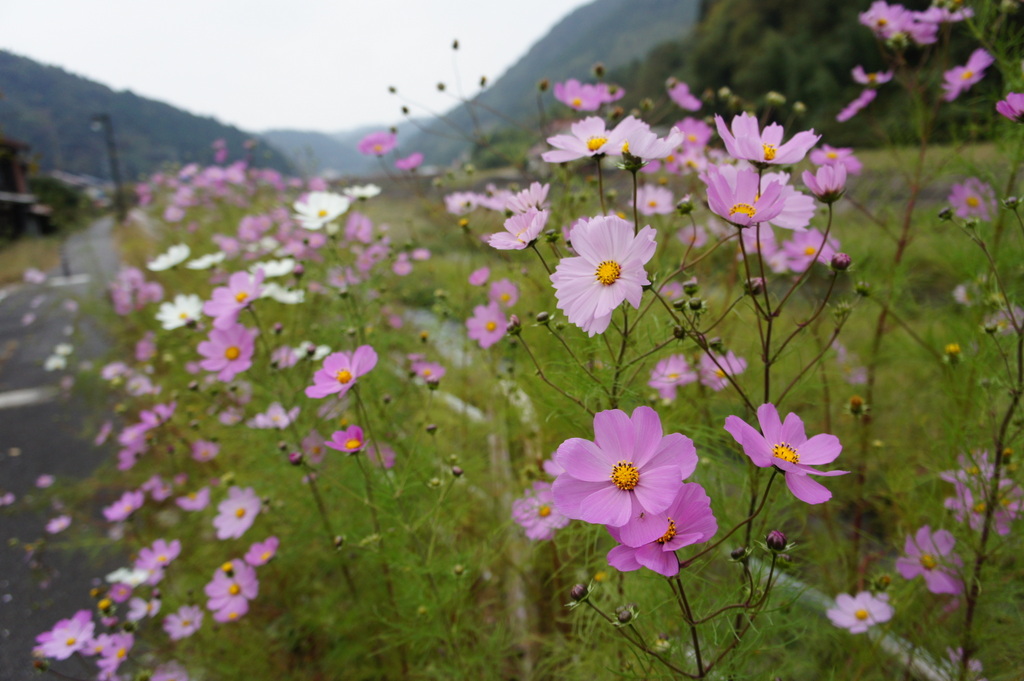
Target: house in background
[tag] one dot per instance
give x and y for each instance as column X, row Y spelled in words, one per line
column 20, row 212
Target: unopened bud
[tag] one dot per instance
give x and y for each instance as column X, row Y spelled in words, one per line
column 599, row 70
column 543, row 85
column 946, row 213
column 862, row 289
column 799, row 108
column 691, row 287
column 776, row 541
column 840, row 262
column 457, row 471
column 579, row 592
column 625, row 616
column 457, row 570
column 431, row 428
column 738, row 553
column 1011, row 202
column 543, row 317
column 754, row 286
column 295, row 458
column 514, row 326
column 685, row 205
column 775, row 98
column 440, row 87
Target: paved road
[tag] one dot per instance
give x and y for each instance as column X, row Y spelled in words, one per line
column 42, row 431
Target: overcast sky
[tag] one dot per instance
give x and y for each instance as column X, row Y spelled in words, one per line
column 303, row 64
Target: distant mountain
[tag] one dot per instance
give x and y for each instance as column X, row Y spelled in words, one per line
column 52, row 110
column 612, row 32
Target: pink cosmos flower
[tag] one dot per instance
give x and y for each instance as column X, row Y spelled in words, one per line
column 628, row 471
column 262, row 552
column 808, row 247
column 785, row 446
column 487, row 325
column 237, row 513
column 688, row 520
column 313, row 446
column 608, row 270
column 381, row 455
column 590, row 137
column 340, row 372
column 931, row 555
column 233, row 585
column 973, row 198
column 67, row 636
column 859, row 613
column 534, row 197
column 183, row 623
column 888, row 21
column 744, row 141
column 114, row 653
column 960, row 78
column 1012, row 107
column 228, row 351
column 194, row 501
column 736, row 195
column 578, row 96
column 139, row 608
column 276, row 416
column 714, row 370
column 204, row 450
column 159, row 555
column 428, row 371
column 696, row 133
column 350, row 440
column 854, row 107
column 122, row 508
column 654, row 200
column 873, row 79
column 504, row 292
column 828, row 183
column 58, row 524
column 227, row 301
column 377, row 143
column 410, row 162
column 679, row 92
column 830, row 156
column 479, row 277
column 520, row 230
column 535, row 512
column 669, row 374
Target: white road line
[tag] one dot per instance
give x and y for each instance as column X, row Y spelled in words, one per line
column 23, row 398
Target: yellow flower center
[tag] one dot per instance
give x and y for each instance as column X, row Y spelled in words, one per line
column 183, row 315
column 980, row 507
column 322, row 213
column 121, row 652
column 353, row 443
column 810, row 250
column 744, row 208
column 232, row 615
column 608, row 272
column 769, row 152
column 265, row 556
column 377, row 148
column 953, row 349
column 343, row 376
column 234, row 590
column 544, row 511
column 241, row 296
column 691, row 138
column 786, row 452
column 227, row 568
column 240, row 513
column 720, row 373
column 652, row 204
column 967, row 74
column 427, row 373
column 625, row 147
column 232, row 353
column 71, row 641
column 595, row 143
column 669, row 533
column 673, row 376
column 625, row 475
column 505, row 297
column 490, row 326
column 973, row 201
column 161, row 559
column 872, row 77
column 928, row 561
column 576, row 101
column 861, row 614
column 104, row 604
column 832, row 155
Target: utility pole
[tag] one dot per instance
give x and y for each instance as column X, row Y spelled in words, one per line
column 102, row 121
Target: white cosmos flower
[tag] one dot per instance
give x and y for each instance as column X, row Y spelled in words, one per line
column 131, row 577
column 364, row 191
column 205, row 262
column 63, row 349
column 319, row 351
column 283, row 295
column 320, row 208
column 274, row 268
column 55, row 363
column 175, row 255
column 179, row 312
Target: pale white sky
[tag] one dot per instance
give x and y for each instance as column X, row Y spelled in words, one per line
column 303, row 64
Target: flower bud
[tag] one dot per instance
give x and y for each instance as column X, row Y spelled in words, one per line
column 685, row 205
column 754, row 286
column 946, row 213
column 339, row 541
column 543, row 317
column 458, row 569
column 739, row 553
column 295, row 458
column 799, row 108
column 543, row 85
column 579, row 592
column 691, row 287
column 774, row 98
column 1011, row 202
column 457, row 471
column 431, row 428
column 514, row 326
column 776, row 541
column 625, row 616
column 862, row 289
column 840, row 262
column 598, row 70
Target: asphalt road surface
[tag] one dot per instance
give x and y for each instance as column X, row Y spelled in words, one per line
column 46, row 431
